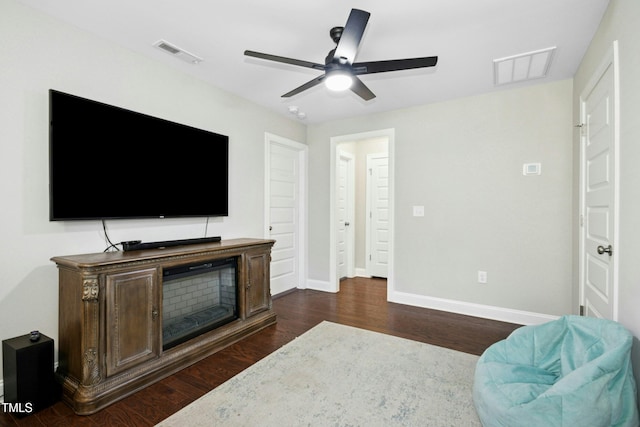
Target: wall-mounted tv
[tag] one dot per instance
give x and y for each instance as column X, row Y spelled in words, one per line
column 107, row 162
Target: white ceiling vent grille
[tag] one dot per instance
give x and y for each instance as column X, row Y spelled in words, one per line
column 178, row 52
column 525, row 66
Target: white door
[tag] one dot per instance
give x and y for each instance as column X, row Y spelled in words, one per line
column 345, row 201
column 599, row 130
column 285, row 214
column 378, row 215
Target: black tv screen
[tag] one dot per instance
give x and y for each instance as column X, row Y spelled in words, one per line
column 107, row 162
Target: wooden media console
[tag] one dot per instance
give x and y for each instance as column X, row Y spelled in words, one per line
column 110, row 341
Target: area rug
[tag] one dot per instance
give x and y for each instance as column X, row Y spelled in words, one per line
column 336, row 375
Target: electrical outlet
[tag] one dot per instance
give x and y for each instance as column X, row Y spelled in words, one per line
column 482, row 276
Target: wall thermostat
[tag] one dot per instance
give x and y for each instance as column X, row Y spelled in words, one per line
column 531, row 169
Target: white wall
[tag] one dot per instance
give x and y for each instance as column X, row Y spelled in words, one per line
column 622, row 22
column 38, row 53
column 463, row 161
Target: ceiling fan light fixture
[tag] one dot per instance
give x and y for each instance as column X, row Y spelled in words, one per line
column 338, row 81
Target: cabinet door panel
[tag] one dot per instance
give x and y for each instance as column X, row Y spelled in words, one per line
column 132, row 319
column 258, row 292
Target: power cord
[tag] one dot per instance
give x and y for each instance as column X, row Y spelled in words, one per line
column 111, row 246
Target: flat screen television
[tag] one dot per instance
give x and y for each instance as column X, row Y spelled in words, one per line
column 107, row 162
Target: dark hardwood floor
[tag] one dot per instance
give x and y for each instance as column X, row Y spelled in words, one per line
column 361, row 303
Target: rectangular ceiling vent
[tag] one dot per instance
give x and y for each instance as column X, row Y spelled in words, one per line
column 525, row 66
column 178, row 52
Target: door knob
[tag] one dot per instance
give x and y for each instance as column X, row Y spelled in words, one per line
column 608, row 249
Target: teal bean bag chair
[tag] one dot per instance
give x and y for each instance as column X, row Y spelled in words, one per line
column 571, row 372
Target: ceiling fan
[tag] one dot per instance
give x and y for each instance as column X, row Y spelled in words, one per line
column 340, row 72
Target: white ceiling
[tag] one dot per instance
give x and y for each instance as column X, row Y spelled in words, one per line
column 466, row 35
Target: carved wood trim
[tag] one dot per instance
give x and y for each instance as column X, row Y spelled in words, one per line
column 90, row 289
column 91, row 326
column 91, row 368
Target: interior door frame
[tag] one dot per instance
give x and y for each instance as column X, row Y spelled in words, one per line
column 303, row 157
column 389, row 134
column 610, row 59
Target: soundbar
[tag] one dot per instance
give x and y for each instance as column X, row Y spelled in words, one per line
column 137, row 245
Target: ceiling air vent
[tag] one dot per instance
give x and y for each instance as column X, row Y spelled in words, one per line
column 178, row 52
column 525, row 66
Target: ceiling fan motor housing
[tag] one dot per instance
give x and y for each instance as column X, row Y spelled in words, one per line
column 336, row 33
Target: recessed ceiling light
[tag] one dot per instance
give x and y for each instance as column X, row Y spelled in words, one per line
column 525, row 66
column 178, row 52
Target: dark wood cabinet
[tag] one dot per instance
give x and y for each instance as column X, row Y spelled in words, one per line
column 110, row 317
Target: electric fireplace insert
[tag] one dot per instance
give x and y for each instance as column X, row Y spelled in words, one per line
column 197, row 298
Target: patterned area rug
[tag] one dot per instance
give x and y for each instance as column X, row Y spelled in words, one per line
column 336, row 375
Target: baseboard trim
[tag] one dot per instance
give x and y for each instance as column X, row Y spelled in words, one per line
column 518, row 317
column 361, row 272
column 320, row 285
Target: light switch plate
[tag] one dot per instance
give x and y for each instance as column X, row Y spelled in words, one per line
column 418, row 211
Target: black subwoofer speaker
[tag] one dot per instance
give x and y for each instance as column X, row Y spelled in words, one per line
column 27, row 366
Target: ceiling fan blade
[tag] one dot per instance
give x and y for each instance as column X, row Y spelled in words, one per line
column 393, row 65
column 307, row 85
column 347, row 47
column 284, row 60
column 361, row 89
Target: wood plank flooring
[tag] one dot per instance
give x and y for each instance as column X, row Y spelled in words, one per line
column 360, row 302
